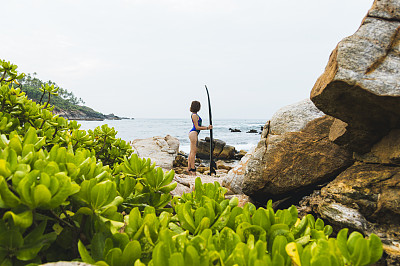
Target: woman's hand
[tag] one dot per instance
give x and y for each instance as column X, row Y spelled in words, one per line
column 209, row 127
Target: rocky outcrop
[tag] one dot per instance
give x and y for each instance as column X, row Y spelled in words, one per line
column 365, row 197
column 222, row 151
column 161, row 150
column 86, row 113
column 360, row 88
column 79, row 115
column 361, row 83
column 294, row 117
column 292, row 162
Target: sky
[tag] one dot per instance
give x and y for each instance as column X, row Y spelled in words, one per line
column 151, row 58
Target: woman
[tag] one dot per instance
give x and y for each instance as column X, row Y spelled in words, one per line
column 193, row 134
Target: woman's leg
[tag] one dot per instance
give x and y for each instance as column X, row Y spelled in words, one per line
column 193, row 150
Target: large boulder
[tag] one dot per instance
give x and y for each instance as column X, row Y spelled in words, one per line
column 221, row 149
column 360, row 85
column 161, row 150
column 294, row 117
column 292, row 162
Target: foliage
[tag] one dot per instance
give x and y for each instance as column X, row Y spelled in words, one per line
column 68, row 194
column 64, row 100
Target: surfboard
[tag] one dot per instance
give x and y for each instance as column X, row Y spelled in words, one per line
column 213, row 166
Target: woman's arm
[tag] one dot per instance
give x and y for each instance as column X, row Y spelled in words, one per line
column 195, row 119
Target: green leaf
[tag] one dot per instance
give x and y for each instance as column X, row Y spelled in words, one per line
column 278, row 247
column 114, row 257
column 229, row 239
column 361, row 254
column 192, row 257
column 131, row 253
column 4, row 169
column 375, row 248
column 9, row 198
column 188, row 219
column 353, row 239
column 84, row 253
column 98, row 195
column 176, row 259
column 160, row 255
column 328, row 230
column 168, row 176
column 169, row 188
column 23, row 219
column 11, row 240
column 260, row 218
column 341, row 242
column 222, row 219
column 97, row 246
column 278, row 260
column 321, row 260
column 319, row 224
column 41, row 195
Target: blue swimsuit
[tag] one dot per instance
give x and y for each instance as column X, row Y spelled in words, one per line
column 194, row 128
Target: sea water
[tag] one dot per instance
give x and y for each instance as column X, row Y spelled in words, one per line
column 141, row 128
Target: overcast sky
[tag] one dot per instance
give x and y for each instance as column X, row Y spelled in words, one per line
column 151, row 58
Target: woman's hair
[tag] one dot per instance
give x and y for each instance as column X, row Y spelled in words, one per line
column 195, row 107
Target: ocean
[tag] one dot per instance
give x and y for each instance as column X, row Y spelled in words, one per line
column 140, row 128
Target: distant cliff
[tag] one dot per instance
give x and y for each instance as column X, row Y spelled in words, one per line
column 85, row 113
column 65, row 103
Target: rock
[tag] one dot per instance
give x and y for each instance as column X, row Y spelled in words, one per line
column 202, row 169
column 111, row 117
column 180, row 161
column 227, row 153
column 235, row 130
column 222, row 165
column 89, row 115
column 292, row 162
column 184, row 186
column 234, row 179
column 173, row 144
column 252, row 131
column 160, row 150
column 360, row 85
column 365, row 197
column 386, row 151
column 239, row 155
column 180, row 170
column 221, row 149
column 343, row 216
column 294, row 117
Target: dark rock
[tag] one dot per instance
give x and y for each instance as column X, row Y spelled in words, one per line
column 235, row 130
column 240, row 154
column 221, row 149
column 252, row 131
column 180, row 161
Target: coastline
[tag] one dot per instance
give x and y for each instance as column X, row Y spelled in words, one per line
column 141, row 128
